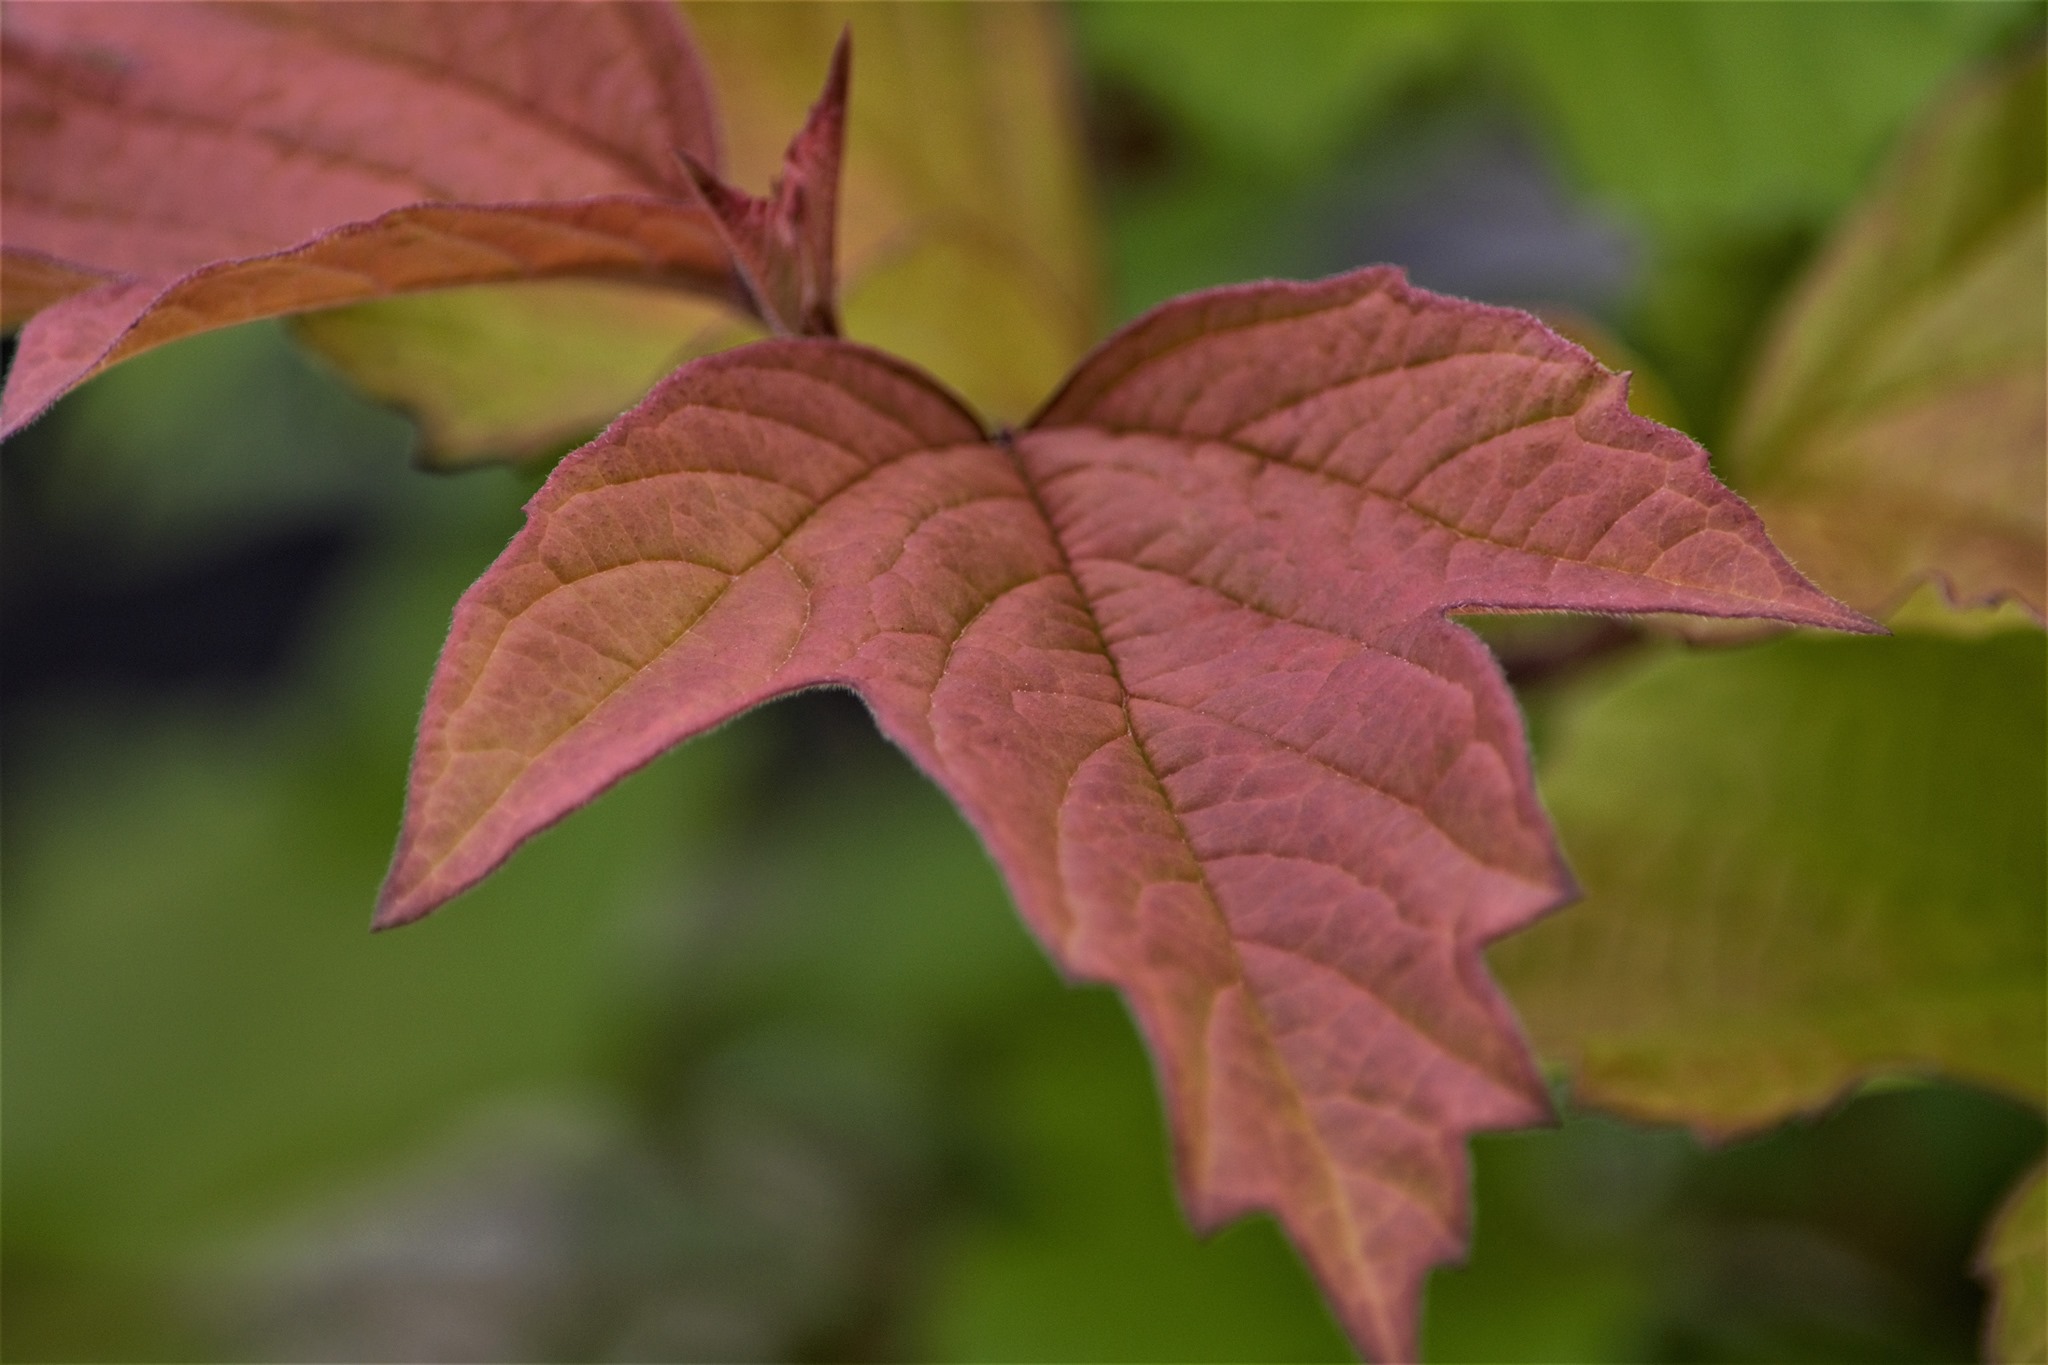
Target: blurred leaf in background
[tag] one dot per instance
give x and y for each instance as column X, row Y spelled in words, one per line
column 966, row 241
column 1731, row 136
column 517, row 371
column 1805, row 862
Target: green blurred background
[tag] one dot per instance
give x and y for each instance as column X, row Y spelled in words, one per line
column 752, row 1060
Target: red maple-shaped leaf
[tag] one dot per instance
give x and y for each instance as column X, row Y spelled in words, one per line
column 1179, row 652
column 172, row 167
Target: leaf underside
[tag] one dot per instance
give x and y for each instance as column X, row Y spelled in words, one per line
column 1178, row 651
column 514, row 371
column 415, row 146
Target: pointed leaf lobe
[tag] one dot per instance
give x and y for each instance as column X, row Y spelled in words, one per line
column 1178, row 651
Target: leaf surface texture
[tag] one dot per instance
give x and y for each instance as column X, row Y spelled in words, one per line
column 2015, row 1261
column 1178, row 652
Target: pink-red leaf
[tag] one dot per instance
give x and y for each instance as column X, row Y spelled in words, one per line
column 1895, row 429
column 430, row 246
column 31, row 282
column 1178, row 651
column 229, row 161
column 782, row 245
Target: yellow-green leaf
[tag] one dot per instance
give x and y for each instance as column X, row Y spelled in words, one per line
column 2015, row 1261
column 1804, row 863
column 1896, row 428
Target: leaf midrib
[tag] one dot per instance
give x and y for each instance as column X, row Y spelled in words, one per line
column 1349, row 1240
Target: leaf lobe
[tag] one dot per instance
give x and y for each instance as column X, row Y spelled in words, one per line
column 1179, row 653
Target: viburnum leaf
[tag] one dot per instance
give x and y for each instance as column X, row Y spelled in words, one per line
column 1178, row 650
column 2014, row 1260
column 1805, row 863
column 1897, row 425
column 217, row 163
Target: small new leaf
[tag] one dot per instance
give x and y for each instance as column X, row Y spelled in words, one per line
column 782, row 245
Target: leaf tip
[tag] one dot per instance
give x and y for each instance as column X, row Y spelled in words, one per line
column 714, row 195
column 1815, row 607
column 409, row 893
column 395, row 909
column 838, row 80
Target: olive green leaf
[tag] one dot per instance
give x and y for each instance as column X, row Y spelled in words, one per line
column 963, row 238
column 1804, row 863
column 509, row 371
column 2015, row 1261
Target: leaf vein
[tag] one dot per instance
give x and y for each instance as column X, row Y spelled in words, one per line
column 1305, row 1122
